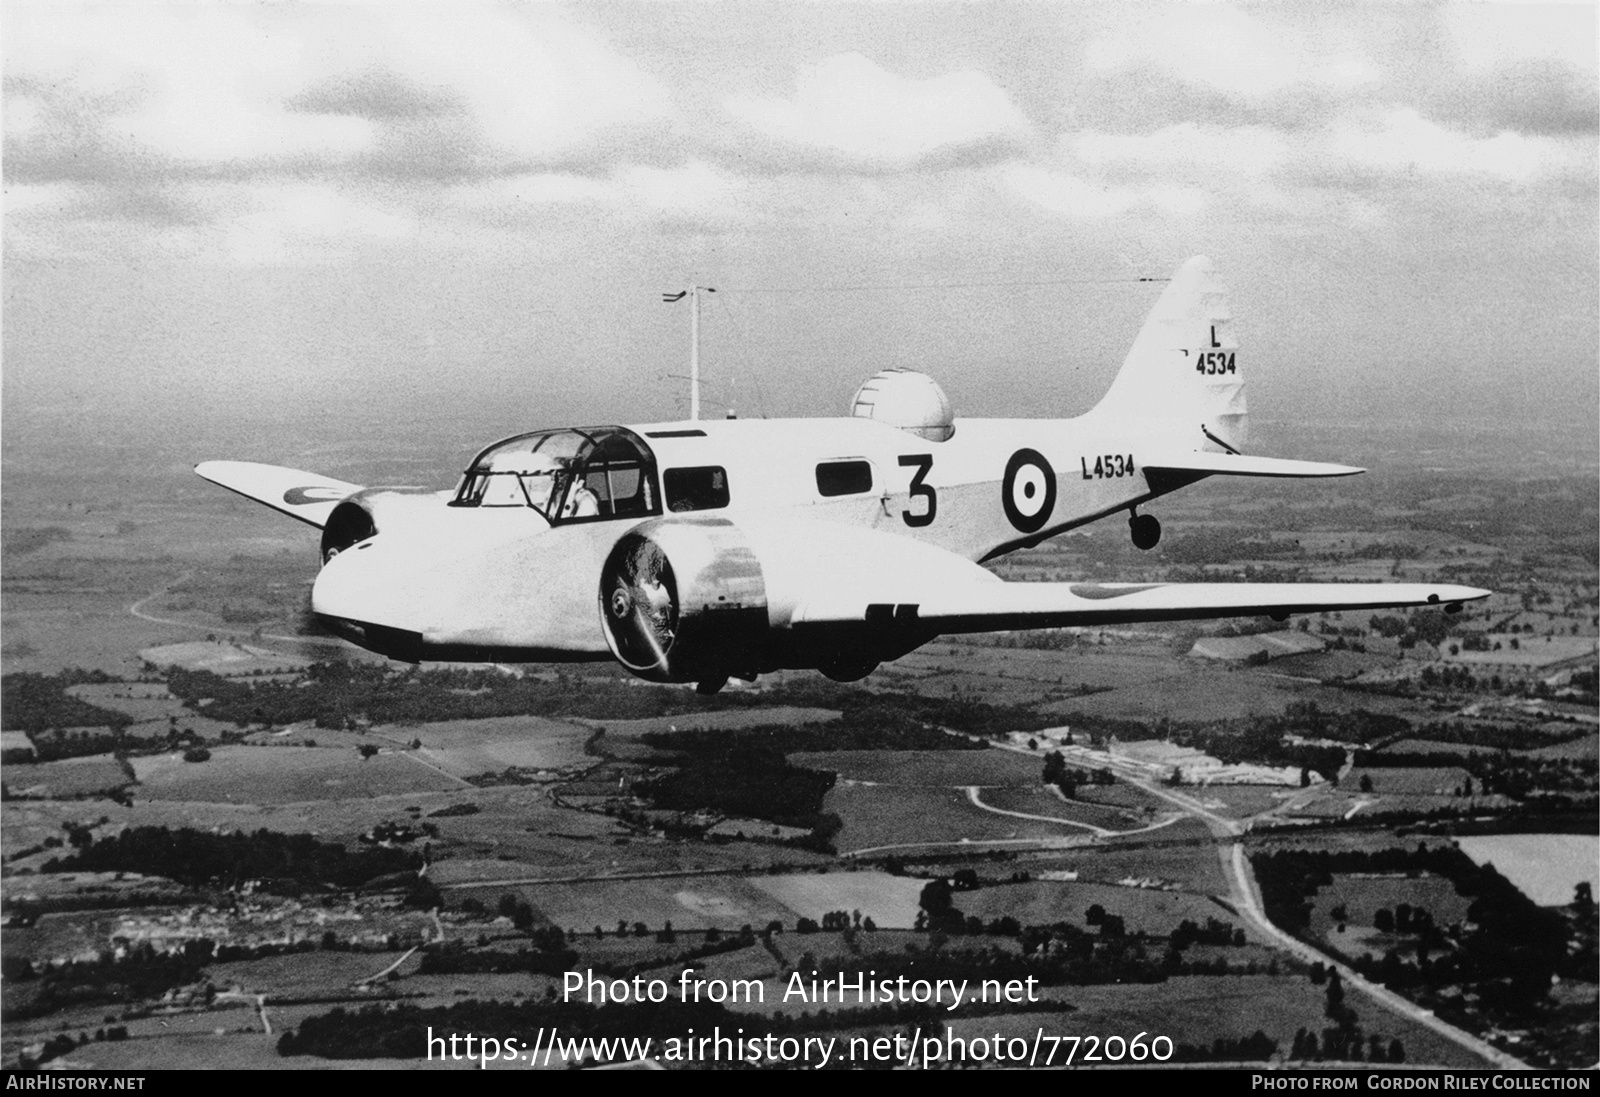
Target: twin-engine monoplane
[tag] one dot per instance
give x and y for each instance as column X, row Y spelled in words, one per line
column 700, row 550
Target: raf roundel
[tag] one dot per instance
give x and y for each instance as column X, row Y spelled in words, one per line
column 1028, row 491
column 299, row 497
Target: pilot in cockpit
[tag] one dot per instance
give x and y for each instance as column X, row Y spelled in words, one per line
column 582, row 502
column 523, row 479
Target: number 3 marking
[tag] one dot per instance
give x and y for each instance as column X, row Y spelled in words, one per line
column 923, row 463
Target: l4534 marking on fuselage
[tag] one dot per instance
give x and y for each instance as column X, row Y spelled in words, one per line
column 1109, row 466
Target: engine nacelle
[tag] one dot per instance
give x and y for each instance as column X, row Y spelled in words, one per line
column 349, row 524
column 685, row 601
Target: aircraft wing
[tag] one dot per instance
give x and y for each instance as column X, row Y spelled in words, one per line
column 303, row 495
column 992, row 606
column 1239, row 464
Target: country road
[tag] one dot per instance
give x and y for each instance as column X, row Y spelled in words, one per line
column 1245, row 896
column 137, row 609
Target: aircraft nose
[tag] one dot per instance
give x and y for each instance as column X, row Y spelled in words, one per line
column 357, row 598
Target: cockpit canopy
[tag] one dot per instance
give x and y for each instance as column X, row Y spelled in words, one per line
column 566, row 475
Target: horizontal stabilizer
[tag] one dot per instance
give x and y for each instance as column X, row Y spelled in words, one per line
column 1237, row 464
column 988, row 607
column 303, row 495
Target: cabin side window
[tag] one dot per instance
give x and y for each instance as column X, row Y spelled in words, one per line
column 704, row 488
column 844, row 478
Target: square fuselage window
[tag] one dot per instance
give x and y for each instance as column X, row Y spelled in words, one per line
column 704, row 488
column 844, row 478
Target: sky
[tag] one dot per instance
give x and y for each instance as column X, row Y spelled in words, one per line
column 262, row 221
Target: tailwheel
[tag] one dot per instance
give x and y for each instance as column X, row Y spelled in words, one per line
column 1146, row 531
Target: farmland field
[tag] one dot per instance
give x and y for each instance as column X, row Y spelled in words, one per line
column 1199, row 1010
column 1242, row 800
column 1192, row 868
column 1410, row 781
column 1545, row 867
column 726, row 902
column 1362, row 898
column 140, row 700
column 890, row 901
column 1121, row 795
column 944, row 768
column 1584, row 747
column 1040, row 902
column 281, row 775
column 1041, row 801
column 469, row 747
column 787, row 715
column 878, row 816
column 66, row 780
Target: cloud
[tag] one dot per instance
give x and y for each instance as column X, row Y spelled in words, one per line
column 1532, row 95
column 1224, row 48
column 1213, row 150
column 307, row 222
column 1072, row 196
column 1487, row 36
column 228, row 90
column 849, row 112
column 1401, row 141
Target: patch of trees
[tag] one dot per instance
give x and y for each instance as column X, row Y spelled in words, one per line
column 1519, row 776
column 1214, row 932
column 1495, row 736
column 1354, row 726
column 1059, row 953
column 745, row 778
column 140, row 974
column 196, row 858
column 1429, row 627
column 1226, row 545
column 336, row 695
column 1257, row 1047
column 60, row 1044
column 872, row 726
column 1509, row 947
column 956, row 713
column 1259, row 741
column 454, row 958
column 1068, row 778
column 38, row 702
column 1341, row 1046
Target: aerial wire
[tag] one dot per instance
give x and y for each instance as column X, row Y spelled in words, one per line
column 870, row 286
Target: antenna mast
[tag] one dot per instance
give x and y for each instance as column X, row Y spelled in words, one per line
column 693, row 294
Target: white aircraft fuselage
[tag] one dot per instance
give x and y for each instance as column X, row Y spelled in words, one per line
column 702, row 549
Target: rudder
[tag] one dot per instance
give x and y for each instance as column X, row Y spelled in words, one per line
column 1182, row 373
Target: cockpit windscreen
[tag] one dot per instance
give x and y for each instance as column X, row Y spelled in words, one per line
column 566, row 475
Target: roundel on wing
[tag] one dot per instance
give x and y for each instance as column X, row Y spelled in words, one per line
column 301, row 496
column 1028, row 491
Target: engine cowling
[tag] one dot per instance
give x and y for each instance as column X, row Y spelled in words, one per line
column 685, row 601
column 349, row 524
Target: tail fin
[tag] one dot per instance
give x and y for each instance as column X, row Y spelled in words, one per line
column 1182, row 374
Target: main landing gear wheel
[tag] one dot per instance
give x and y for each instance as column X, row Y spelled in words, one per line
column 1146, row 531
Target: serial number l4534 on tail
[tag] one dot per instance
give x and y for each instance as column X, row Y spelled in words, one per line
column 696, row 551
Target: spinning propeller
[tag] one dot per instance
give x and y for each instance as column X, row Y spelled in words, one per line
column 640, row 602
